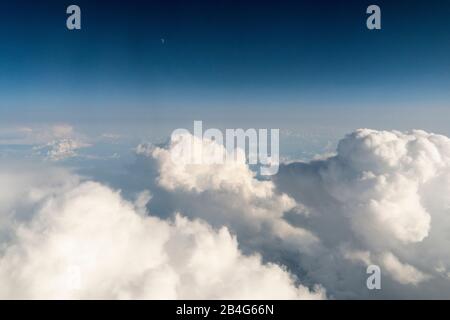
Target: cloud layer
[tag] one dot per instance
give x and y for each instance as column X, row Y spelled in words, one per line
column 219, row 231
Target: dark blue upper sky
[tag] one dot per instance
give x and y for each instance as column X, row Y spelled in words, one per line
column 289, row 60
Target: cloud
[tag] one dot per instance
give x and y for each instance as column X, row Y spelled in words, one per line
column 383, row 199
column 62, row 131
column 228, row 193
column 377, row 175
column 83, row 240
column 403, row 273
column 55, row 142
column 400, row 272
column 378, row 196
column 63, row 142
column 61, row 149
column 22, row 188
column 37, row 135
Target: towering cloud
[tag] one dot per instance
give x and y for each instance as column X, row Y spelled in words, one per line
column 386, row 194
column 228, row 194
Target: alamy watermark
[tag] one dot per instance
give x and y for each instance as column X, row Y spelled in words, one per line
column 252, row 146
column 73, row 21
column 374, row 20
column 374, row 280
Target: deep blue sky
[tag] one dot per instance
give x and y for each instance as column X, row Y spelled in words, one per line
column 278, row 62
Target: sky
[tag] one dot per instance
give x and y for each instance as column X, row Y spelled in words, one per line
column 144, row 66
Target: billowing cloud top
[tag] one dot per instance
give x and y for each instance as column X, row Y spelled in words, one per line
column 387, row 194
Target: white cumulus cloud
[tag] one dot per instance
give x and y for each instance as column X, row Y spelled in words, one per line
column 227, row 193
column 83, row 240
column 384, row 195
